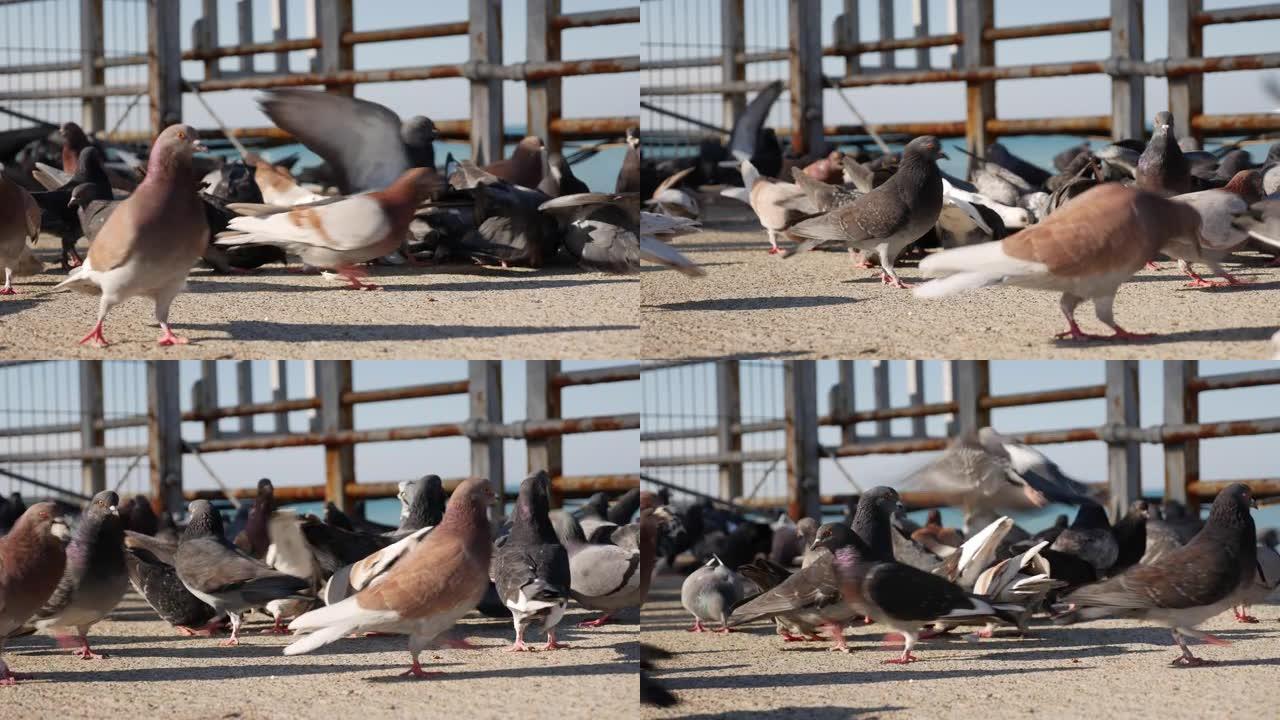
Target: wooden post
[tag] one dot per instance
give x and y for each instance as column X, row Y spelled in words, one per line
column 1128, row 118
column 886, row 33
column 1181, row 406
column 164, row 434
column 333, row 379
column 980, row 95
column 948, row 394
column 486, row 94
column 970, row 382
column 1124, row 461
column 846, row 401
column 93, row 110
column 729, row 425
column 805, row 37
column 333, row 19
column 543, row 96
column 543, row 403
column 93, row 472
column 880, row 390
column 915, row 394
column 733, row 40
column 801, row 388
column 1186, row 92
column 485, row 380
column 955, row 24
column 920, row 18
column 280, row 393
column 244, row 393
column 205, row 36
column 164, row 66
column 207, row 396
column 244, row 25
column 280, row 32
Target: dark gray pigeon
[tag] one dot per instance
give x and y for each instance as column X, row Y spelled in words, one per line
column 1162, row 167
column 1034, row 175
column 254, row 539
column 422, row 504
column 629, row 175
column 594, row 514
column 150, row 565
column 873, row 520
column 1089, row 538
column 95, row 577
column 227, row 579
column 1131, row 536
column 887, row 219
column 708, row 594
column 624, row 508
column 531, row 569
column 600, row 231
column 1187, row 585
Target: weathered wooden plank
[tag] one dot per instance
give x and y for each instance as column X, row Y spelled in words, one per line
column 164, row 73
column 485, row 391
column 93, row 110
column 1186, row 92
column 333, row 379
column 94, row 471
column 803, row 487
column 543, row 96
column 729, row 412
column 980, row 96
column 1124, row 461
column 805, row 39
column 164, row 433
column 733, row 40
column 1128, row 116
column 543, row 403
column 485, row 17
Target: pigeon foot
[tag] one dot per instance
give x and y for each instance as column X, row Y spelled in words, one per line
column 95, row 337
column 8, row 291
column 906, row 659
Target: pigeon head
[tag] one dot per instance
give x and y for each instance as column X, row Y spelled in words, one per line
column 74, row 135
column 1247, row 184
column 1091, row 516
column 42, row 520
column 1234, row 500
column 1269, row 537
column 925, row 146
column 92, row 163
column 1060, row 521
column 472, row 492
column 408, row 491
column 426, row 505
column 204, row 522
column 935, row 518
column 103, row 503
column 531, row 144
column 102, row 514
column 807, row 527
column 1140, row 508
column 141, row 517
column 173, row 149
column 833, row 536
column 1163, row 122
column 82, row 195
column 265, row 488
column 531, row 522
column 596, row 506
column 633, row 137
column 884, row 499
column 418, row 131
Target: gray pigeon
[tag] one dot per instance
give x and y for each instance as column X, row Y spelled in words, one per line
column 151, row 571
column 1187, row 585
column 594, row 516
column 609, row 578
column 1090, row 538
column 95, row 577
column 890, row 217
column 1162, row 168
column 600, row 231
column 708, row 594
column 422, row 504
column 221, row 575
column 31, row 564
column 1264, row 583
column 531, row 569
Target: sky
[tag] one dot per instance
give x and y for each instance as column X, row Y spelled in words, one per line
column 50, row 387
column 684, row 397
column 679, row 28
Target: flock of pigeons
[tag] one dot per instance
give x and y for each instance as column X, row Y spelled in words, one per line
column 1158, row 562
column 329, row 577
column 1081, row 231
column 148, row 223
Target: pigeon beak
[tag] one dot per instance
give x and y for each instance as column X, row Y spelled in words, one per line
column 943, row 155
column 113, row 510
column 71, row 203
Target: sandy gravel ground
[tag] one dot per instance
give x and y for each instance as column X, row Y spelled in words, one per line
column 817, row 304
column 153, row 673
column 1102, row 669
column 451, row 311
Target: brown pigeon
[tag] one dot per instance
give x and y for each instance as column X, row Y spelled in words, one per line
column 73, row 141
column 151, row 241
column 426, row 592
column 524, row 167
column 19, row 222
column 31, row 563
column 1086, row 250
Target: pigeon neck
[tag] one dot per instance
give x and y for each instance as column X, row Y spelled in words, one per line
column 424, row 511
column 530, row 524
column 466, row 515
column 167, row 167
column 874, row 529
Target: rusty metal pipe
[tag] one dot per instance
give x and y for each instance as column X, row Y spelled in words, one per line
column 1045, row 396
column 408, row 392
column 574, row 486
column 927, row 41
column 74, row 92
column 620, row 373
column 1046, row 29
column 1238, row 14
column 1252, row 378
column 1235, row 124
column 890, row 413
column 704, row 89
column 414, row 32
column 979, row 74
column 253, row 409
column 723, row 458
column 98, row 453
column 597, row 18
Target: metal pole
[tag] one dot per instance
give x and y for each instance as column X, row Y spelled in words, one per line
column 880, row 391
column 207, row 397
column 94, row 472
column 845, row 401
column 846, row 33
column 728, row 425
column 93, row 110
column 333, row 379
column 333, row 18
column 971, row 380
column 543, row 96
column 915, row 394
column 886, row 33
column 1128, row 118
column 543, row 403
column 1181, row 407
column 205, row 31
column 244, row 26
column 244, row 393
column 1186, row 92
column 164, row 431
column 486, row 95
column 806, row 77
column 980, row 95
column 485, row 390
column 280, row 32
column 803, row 486
column 164, row 73
column 1124, row 461
column 280, row 393
column 920, row 18
column 733, row 40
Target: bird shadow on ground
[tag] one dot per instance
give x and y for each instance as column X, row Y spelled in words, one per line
column 704, row 265
column 247, row 331
column 758, row 303
column 1243, row 334
column 761, row 245
column 13, row 305
column 1245, row 287
column 614, row 668
column 851, row 676
column 827, row 712
column 234, row 671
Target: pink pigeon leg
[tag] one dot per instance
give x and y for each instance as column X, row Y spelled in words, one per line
column 1242, row 614
column 597, row 622
column 276, row 629
column 1186, row 659
column 416, row 670
column 9, row 677
column 207, row 630
column 95, row 336
column 353, row 274
column 836, row 631
column 168, row 339
column 85, row 653
column 518, row 645
column 8, row 283
column 235, row 631
column 697, row 626
column 551, row 641
column 724, row 629
column 908, row 642
column 1151, row 265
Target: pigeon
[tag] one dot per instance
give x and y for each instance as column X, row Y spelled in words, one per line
column 366, row 144
column 336, row 548
column 221, row 575
column 1052, row 532
column 890, row 217
column 1131, row 536
column 150, row 565
column 352, row 578
column 1184, row 523
column 1162, row 537
column 1162, row 168
column 95, row 578
column 1186, row 586
column 594, row 515
column 19, row 222
column 933, row 534
column 872, row 520
column 976, row 554
column 289, row 553
column 824, row 196
column 1036, row 467
column 1090, row 538
column 561, row 173
column 510, row 229
column 140, row 518
column 531, row 569
column 786, row 544
column 749, row 126
column 778, row 205
column 1033, row 175
column 1264, row 582
column 708, row 594
column 1064, row 158
column 900, row 596
column 608, row 578
column 254, row 539
column 427, row 592
column 670, row 199
column 828, row 169
column 807, row 528
column 624, row 508
column 31, row 566
column 654, row 250
column 810, row 597
column 629, row 174
column 1218, row 209
column 10, row 511
column 339, row 235
column 152, row 240
column 60, row 204
column 524, row 167
column 422, row 503
column 1086, row 250
column 276, row 184
column 600, row 231
column 74, row 141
